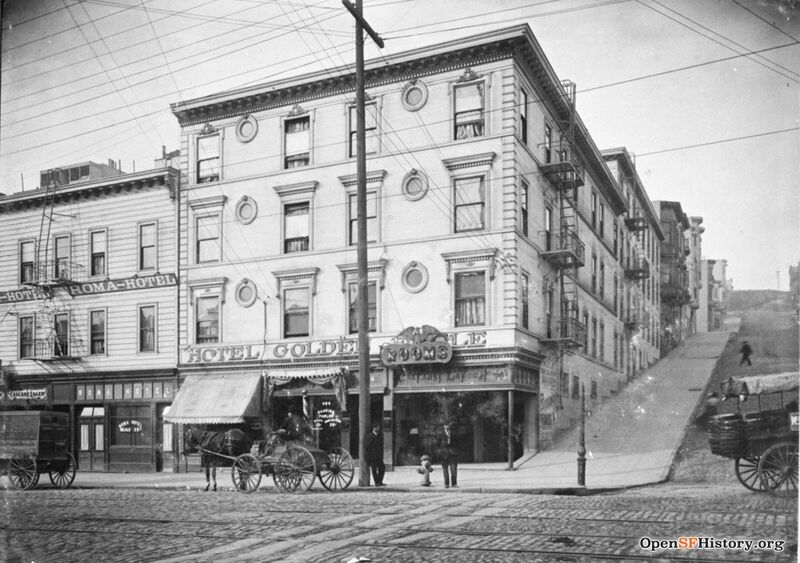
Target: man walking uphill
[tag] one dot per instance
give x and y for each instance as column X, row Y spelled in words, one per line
column 374, row 454
column 745, row 351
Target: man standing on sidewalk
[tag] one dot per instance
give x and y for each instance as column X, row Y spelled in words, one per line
column 448, row 457
column 374, row 454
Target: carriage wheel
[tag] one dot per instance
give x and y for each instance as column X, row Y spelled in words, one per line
column 65, row 474
column 337, row 474
column 295, row 470
column 778, row 469
column 747, row 473
column 22, row 472
column 246, row 473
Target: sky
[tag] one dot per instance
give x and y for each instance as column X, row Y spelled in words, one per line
column 705, row 93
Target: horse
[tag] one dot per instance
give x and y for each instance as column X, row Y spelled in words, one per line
column 213, row 446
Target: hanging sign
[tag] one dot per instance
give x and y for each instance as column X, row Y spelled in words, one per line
column 417, row 345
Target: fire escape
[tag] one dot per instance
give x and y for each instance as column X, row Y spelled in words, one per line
column 48, row 277
column 565, row 251
column 637, row 267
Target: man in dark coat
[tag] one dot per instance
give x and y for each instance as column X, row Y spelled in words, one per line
column 374, row 454
column 746, row 351
column 448, row 456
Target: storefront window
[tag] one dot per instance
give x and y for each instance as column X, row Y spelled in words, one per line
column 130, row 426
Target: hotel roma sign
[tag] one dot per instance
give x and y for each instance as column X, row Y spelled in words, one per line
column 91, row 288
column 417, row 345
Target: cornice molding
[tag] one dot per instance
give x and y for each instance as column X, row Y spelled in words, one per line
column 21, row 201
column 294, row 94
column 296, row 189
column 351, row 180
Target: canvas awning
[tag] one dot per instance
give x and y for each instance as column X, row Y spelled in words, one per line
column 227, row 398
column 333, row 378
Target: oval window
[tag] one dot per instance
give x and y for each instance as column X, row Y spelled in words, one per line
column 246, row 129
column 246, row 293
column 246, row 210
column 415, row 185
column 414, row 95
column 415, row 277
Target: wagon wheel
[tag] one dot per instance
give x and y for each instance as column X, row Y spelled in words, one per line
column 337, row 474
column 22, row 472
column 64, row 475
column 295, row 470
column 778, row 469
column 246, row 473
column 747, row 473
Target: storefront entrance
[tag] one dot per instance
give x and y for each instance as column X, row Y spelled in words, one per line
column 92, row 439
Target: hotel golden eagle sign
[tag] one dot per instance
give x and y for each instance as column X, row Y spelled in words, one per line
column 417, row 345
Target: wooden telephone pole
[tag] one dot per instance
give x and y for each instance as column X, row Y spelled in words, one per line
column 361, row 201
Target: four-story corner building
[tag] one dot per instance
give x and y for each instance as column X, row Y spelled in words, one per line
column 495, row 236
column 88, row 284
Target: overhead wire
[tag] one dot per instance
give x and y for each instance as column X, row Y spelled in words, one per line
column 192, row 64
column 769, row 23
column 63, row 67
column 111, row 79
column 584, row 90
column 60, row 32
column 717, row 41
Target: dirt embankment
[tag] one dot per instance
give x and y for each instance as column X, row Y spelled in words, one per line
column 771, row 328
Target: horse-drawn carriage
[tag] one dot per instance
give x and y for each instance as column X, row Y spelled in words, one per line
column 763, row 443
column 293, row 458
column 36, row 442
column 293, row 464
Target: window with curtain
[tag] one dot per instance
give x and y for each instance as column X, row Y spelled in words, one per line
column 548, row 144
column 98, row 253
column 62, row 257
column 469, row 203
column 548, row 228
column 372, row 307
column 97, row 331
column 295, row 227
column 208, row 159
column 469, row 111
column 372, row 217
column 147, row 328
column 207, row 320
column 523, row 198
column 27, row 251
column 470, row 298
column 61, row 342
column 296, row 308
column 297, row 142
column 26, row 347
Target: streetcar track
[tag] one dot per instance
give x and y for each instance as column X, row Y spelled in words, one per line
column 582, row 554
column 322, row 525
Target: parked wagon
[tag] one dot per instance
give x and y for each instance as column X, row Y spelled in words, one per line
column 762, row 443
column 36, row 442
column 244, row 401
column 294, row 466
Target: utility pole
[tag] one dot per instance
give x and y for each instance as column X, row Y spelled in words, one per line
column 363, row 281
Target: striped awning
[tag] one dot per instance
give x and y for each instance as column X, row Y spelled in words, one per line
column 227, row 398
column 318, row 376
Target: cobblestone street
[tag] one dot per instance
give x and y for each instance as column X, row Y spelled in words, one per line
column 45, row 525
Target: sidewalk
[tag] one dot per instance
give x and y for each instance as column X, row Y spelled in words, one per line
column 631, row 440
